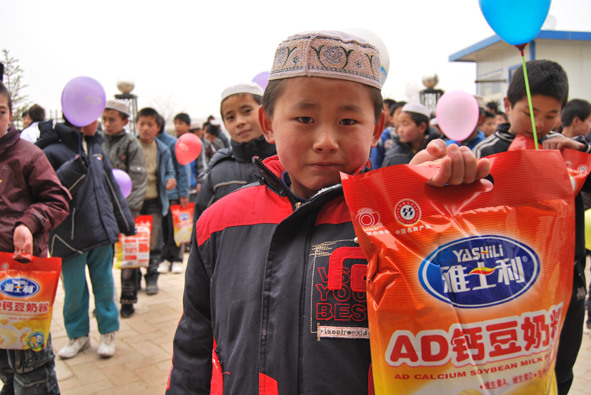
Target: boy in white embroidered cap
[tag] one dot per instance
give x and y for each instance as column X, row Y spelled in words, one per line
column 232, row 168
column 256, row 280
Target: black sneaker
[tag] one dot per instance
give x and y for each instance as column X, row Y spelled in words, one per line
column 152, row 288
column 127, row 310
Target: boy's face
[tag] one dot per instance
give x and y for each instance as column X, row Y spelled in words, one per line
column 409, row 131
column 112, row 121
column 582, row 127
column 499, row 119
column 241, row 118
column 5, row 115
column 396, row 117
column 147, row 128
column 27, row 121
column 89, row 130
column 546, row 114
column 181, row 127
column 488, row 126
column 321, row 127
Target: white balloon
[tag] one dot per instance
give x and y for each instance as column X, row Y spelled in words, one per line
column 376, row 41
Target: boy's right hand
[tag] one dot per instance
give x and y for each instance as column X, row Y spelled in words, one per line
column 561, row 142
column 170, row 184
column 23, row 240
column 457, row 165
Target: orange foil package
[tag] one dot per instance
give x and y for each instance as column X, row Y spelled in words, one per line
column 134, row 251
column 468, row 286
column 27, row 293
column 182, row 221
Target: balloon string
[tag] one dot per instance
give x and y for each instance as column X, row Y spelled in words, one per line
column 531, row 107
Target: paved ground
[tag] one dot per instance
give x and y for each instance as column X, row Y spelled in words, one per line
column 144, row 348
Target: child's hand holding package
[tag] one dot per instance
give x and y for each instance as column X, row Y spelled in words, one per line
column 457, row 165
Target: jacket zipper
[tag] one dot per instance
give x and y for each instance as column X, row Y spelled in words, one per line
column 272, row 179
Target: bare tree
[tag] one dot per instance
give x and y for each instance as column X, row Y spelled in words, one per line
column 13, row 80
column 165, row 107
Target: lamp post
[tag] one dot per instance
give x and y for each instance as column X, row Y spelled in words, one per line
column 125, row 87
column 430, row 95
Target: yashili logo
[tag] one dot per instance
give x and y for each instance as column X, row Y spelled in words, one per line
column 19, row 287
column 480, row 271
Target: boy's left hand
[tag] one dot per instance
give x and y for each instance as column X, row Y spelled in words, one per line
column 457, row 165
column 561, row 142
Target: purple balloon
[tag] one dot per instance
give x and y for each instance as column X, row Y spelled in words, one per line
column 83, row 101
column 261, row 79
column 124, row 182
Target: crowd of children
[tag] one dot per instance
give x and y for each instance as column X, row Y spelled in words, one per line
column 269, row 211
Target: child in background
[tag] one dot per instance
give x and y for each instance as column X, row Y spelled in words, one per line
column 256, row 277
column 33, row 202
column 98, row 214
column 548, row 84
column 387, row 138
column 232, row 168
column 212, row 140
column 182, row 125
column 413, row 134
column 576, row 118
column 172, row 255
column 34, row 115
column 500, row 118
column 488, row 126
column 125, row 153
column 160, row 178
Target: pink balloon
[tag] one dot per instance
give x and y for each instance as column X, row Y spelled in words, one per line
column 187, row 148
column 457, row 114
column 83, row 101
column 261, row 79
column 123, row 180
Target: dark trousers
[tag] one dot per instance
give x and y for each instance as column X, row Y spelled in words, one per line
column 572, row 331
column 170, row 251
column 29, row 372
column 131, row 278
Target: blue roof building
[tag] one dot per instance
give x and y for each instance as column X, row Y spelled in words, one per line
column 496, row 61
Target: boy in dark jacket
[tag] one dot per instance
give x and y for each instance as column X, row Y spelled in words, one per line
column 232, row 168
column 548, row 83
column 256, row 277
column 98, row 214
column 33, row 203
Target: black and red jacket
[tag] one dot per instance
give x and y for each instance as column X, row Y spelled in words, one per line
column 259, row 284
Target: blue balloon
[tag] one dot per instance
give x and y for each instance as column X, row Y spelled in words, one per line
column 515, row 21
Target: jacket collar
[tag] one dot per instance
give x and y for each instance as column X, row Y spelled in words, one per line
column 244, row 152
column 272, row 172
column 63, row 134
column 9, row 139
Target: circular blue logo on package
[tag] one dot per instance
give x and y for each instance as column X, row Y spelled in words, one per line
column 184, row 216
column 480, row 271
column 19, row 287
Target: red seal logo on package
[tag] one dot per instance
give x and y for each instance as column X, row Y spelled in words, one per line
column 407, row 212
column 367, row 217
